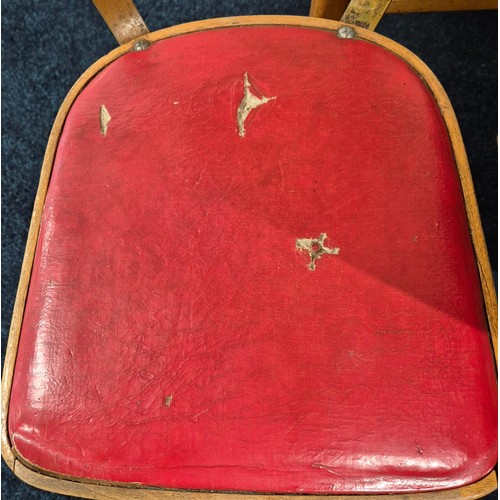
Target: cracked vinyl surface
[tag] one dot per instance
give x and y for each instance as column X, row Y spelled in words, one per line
column 167, row 258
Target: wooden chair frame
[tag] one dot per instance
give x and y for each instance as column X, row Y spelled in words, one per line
column 334, row 9
column 50, row 481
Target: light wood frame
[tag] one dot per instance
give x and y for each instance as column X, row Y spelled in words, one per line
column 50, row 481
column 334, row 9
column 122, row 18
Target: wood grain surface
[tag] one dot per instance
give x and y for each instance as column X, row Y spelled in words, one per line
column 122, row 18
column 365, row 13
column 334, row 9
column 328, row 9
column 406, row 6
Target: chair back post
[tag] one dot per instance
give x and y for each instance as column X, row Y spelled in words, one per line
column 122, row 18
column 365, row 13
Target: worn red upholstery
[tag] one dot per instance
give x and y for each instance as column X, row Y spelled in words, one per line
column 175, row 332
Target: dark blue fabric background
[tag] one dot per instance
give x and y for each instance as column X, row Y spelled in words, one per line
column 47, row 45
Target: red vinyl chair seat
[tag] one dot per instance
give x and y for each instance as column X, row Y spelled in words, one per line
column 254, row 272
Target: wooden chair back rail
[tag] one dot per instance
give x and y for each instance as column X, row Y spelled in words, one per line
column 334, row 9
column 404, row 6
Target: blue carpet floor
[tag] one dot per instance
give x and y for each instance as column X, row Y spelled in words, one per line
column 47, row 45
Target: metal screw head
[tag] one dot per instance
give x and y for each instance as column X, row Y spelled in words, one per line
column 346, row 32
column 140, row 45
